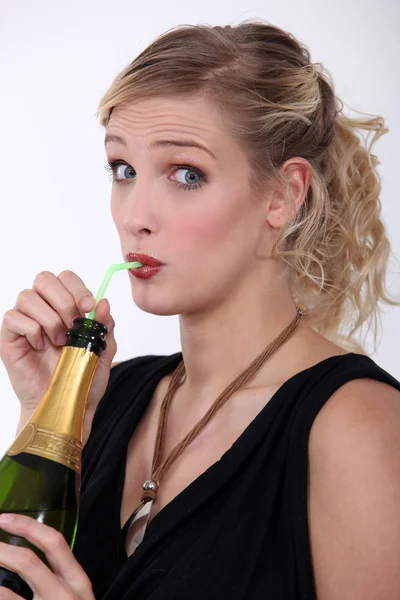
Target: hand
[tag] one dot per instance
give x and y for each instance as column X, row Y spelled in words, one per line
column 45, row 312
column 68, row 582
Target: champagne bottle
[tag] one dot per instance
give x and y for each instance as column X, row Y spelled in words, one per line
column 40, row 472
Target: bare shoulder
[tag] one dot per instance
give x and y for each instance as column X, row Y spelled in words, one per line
column 354, row 493
column 359, row 407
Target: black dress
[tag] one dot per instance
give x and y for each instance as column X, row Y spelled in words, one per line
column 237, row 532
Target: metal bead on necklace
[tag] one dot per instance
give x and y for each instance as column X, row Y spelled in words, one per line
column 136, row 525
column 150, row 486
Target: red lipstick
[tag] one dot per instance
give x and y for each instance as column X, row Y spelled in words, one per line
column 151, row 266
column 144, row 259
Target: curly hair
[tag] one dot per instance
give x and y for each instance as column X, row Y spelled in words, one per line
column 277, row 104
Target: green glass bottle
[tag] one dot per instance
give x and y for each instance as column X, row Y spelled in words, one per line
column 40, row 472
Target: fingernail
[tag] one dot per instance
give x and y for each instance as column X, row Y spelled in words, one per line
column 86, row 303
column 61, row 338
column 6, row 518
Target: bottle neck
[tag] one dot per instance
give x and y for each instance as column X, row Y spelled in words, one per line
column 55, row 429
column 88, row 334
column 63, row 405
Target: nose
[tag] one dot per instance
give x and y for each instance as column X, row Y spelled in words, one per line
column 139, row 219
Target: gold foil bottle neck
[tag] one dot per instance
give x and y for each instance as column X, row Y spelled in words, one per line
column 55, row 429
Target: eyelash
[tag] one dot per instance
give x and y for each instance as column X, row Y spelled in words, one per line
column 111, row 166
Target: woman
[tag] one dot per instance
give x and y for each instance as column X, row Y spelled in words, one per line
column 270, row 451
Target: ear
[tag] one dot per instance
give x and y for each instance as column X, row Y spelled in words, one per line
column 298, row 172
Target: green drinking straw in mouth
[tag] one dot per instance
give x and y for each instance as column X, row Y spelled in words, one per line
column 106, row 281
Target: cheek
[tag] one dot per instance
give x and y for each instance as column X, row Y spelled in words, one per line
column 202, row 231
column 206, row 229
column 197, row 238
column 214, row 242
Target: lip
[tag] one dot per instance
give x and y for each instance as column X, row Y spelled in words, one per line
column 145, row 272
column 148, row 261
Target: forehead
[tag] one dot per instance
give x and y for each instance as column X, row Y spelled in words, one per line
column 164, row 115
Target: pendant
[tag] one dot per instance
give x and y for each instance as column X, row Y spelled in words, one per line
column 137, row 523
column 138, row 526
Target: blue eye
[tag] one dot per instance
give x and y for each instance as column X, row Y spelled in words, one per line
column 190, row 176
column 124, row 172
column 192, row 179
column 120, row 170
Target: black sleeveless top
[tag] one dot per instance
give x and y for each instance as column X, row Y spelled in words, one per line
column 237, row 532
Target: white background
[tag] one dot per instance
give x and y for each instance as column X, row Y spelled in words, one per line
column 58, row 58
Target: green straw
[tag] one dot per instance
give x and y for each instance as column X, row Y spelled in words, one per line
column 106, row 281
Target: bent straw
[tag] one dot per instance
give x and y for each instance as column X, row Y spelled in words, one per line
column 106, row 281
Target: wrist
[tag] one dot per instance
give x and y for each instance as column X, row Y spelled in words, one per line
column 24, row 417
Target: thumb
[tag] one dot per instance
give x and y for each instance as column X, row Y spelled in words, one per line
column 103, row 316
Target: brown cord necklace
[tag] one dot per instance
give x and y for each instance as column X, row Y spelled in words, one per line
column 141, row 514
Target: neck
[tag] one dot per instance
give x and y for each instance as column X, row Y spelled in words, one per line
column 220, row 343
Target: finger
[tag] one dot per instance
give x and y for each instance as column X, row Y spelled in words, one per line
column 103, row 311
column 7, row 594
column 16, row 325
column 66, row 294
column 103, row 316
column 32, row 305
column 83, row 297
column 53, row 302
column 58, row 553
column 33, row 571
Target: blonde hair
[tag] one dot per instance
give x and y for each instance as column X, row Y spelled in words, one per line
column 277, row 104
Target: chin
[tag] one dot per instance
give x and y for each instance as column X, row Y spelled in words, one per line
column 156, row 306
column 159, row 311
column 162, row 306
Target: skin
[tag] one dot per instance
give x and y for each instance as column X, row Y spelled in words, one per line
column 66, row 581
column 216, row 241
column 354, row 493
column 233, row 298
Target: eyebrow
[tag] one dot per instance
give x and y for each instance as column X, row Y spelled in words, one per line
column 162, row 143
